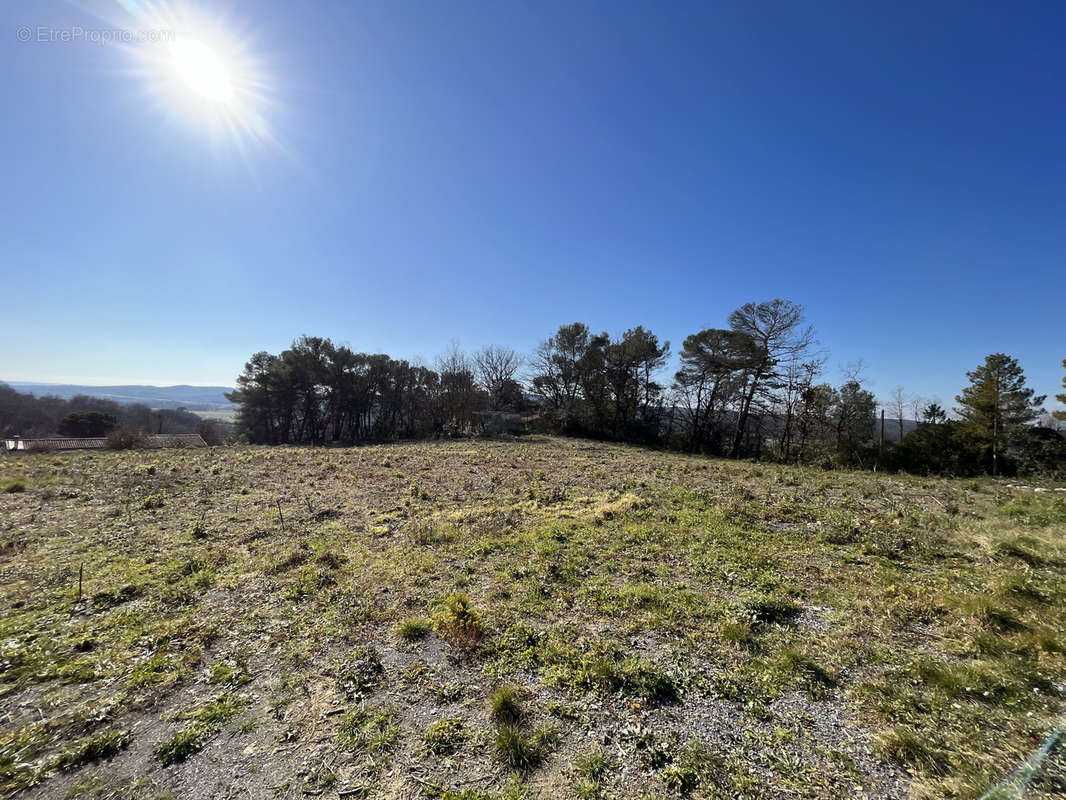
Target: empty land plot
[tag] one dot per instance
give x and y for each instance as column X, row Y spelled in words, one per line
column 537, row 618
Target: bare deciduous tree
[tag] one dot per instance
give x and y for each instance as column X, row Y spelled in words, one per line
column 495, row 368
column 458, row 387
column 897, row 404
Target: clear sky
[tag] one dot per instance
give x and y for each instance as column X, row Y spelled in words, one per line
column 398, row 174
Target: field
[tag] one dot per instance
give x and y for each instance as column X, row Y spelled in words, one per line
column 543, row 618
column 218, row 415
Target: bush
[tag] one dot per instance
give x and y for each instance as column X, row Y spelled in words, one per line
column 938, row 450
column 1039, row 452
column 153, row 501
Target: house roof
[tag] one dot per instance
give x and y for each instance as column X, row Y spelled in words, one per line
column 153, row 441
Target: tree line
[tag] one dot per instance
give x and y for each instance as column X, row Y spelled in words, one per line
column 751, row 389
column 316, row 392
column 29, row 416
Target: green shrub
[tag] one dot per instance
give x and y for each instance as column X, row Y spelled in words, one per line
column 153, row 501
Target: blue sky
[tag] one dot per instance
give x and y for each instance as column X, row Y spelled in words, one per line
column 428, row 171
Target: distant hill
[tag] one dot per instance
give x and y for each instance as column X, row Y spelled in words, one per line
column 892, row 427
column 193, row 398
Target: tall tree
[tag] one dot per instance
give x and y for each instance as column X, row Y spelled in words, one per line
column 496, row 368
column 87, row 423
column 798, row 377
column 630, row 365
column 854, row 419
column 713, row 363
column 997, row 403
column 558, row 367
column 779, row 336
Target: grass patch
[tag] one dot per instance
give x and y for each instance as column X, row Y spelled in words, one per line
column 14, row 485
column 607, row 670
column 369, row 730
column 521, row 749
column 361, row 673
column 445, row 737
column 571, row 583
column 505, row 706
column 772, row 609
column 413, row 629
column 204, row 723
column 94, row 748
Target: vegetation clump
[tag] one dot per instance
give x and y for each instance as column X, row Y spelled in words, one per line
column 458, row 623
column 370, row 730
column 360, row 673
column 101, row 746
column 153, row 502
column 522, row 749
column 505, row 706
column 412, row 629
column 445, row 736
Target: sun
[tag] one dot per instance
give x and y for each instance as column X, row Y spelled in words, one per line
column 202, row 71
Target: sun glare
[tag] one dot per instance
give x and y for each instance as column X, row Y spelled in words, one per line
column 202, row 71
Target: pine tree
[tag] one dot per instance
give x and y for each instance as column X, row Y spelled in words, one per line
column 1061, row 397
column 996, row 403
